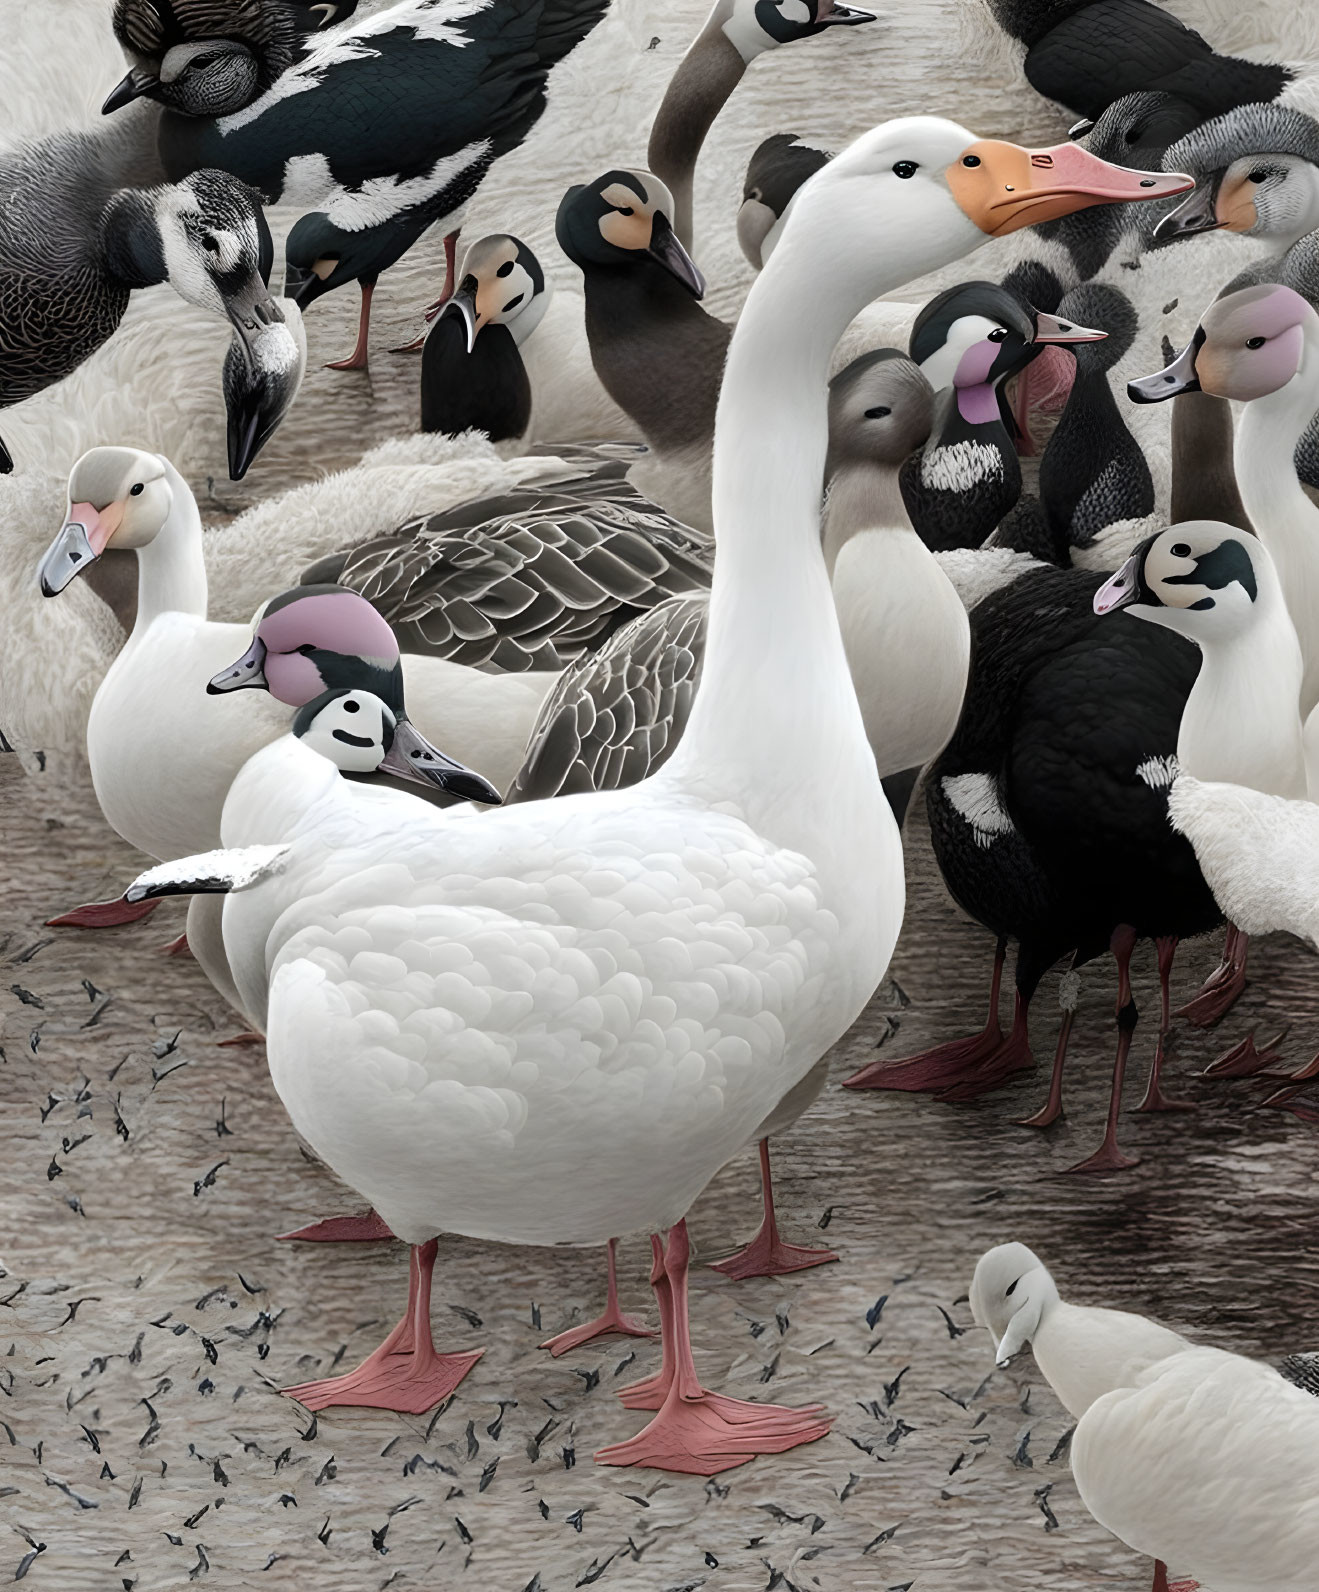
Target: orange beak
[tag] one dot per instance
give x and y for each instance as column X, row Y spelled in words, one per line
column 1008, row 187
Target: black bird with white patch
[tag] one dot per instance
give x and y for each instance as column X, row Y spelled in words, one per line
column 967, row 342
column 387, row 126
column 74, row 245
column 472, row 374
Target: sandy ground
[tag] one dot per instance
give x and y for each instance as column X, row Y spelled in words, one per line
column 149, row 1315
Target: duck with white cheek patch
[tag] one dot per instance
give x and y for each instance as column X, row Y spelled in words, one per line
column 1257, row 173
column 1178, row 1448
column 1240, row 791
column 1259, row 345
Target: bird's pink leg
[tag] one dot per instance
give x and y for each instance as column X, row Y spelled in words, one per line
column 357, row 360
column 697, row 1432
column 1108, row 1158
column 767, row 1255
column 1155, row 1099
column 1220, row 990
column 610, row 1320
column 406, row 1373
column 446, row 293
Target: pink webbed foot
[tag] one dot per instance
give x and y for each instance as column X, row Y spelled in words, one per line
column 179, row 947
column 767, row 1255
column 103, row 914
column 1107, row 1158
column 695, row 1431
column 939, row 1068
column 610, row 1320
column 1245, row 1059
column 1220, row 990
column 1286, row 1099
column 410, row 1383
column 1011, row 1056
column 704, row 1435
column 368, row 1229
column 406, row 1373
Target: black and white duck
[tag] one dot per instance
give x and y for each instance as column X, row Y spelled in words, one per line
column 386, row 126
column 968, row 341
column 777, row 168
column 657, row 352
column 212, row 57
column 74, row 244
column 735, row 33
column 472, row 374
column 1256, row 171
column 1086, row 53
column 1049, row 818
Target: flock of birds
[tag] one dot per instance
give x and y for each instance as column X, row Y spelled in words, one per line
column 553, row 1022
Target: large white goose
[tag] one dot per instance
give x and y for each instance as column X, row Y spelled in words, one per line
column 1206, row 1461
column 458, row 1005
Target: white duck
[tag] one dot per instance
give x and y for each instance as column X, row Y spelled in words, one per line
column 1240, row 791
column 1204, row 1460
column 162, row 752
column 456, row 1007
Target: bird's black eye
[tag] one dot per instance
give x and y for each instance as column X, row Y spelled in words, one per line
column 1256, row 342
column 1260, row 174
column 1011, row 1289
column 1180, row 550
column 137, row 489
column 905, row 168
column 625, row 210
column 505, row 269
column 210, row 245
column 970, row 160
column 306, row 649
column 998, row 334
column 352, row 706
column 879, row 412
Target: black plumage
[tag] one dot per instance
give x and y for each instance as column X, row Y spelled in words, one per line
column 779, row 165
column 1302, row 1371
column 399, row 118
column 1048, row 808
column 1086, row 53
column 487, row 390
column 1093, row 472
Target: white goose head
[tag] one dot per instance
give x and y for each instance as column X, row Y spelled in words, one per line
column 1251, row 343
column 500, row 283
column 118, row 497
column 1010, row 1293
column 1201, row 578
column 360, row 734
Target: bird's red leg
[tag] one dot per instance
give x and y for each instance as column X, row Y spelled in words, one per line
column 611, row 1319
column 1108, row 1158
column 357, row 360
column 1155, row 1099
column 767, row 1255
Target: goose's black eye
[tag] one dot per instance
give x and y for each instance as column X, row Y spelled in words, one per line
column 350, row 706
column 1011, row 1289
column 505, row 268
column 998, row 335
column 306, row 649
column 1260, row 174
column 879, row 412
column 137, row 489
column 905, row 168
column 1180, row 550
column 1256, row 342
column 210, row 245
column 625, row 210
column 970, row 160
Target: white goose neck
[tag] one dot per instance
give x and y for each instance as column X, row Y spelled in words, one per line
column 171, row 568
column 1242, row 721
column 1085, row 1353
column 283, row 790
